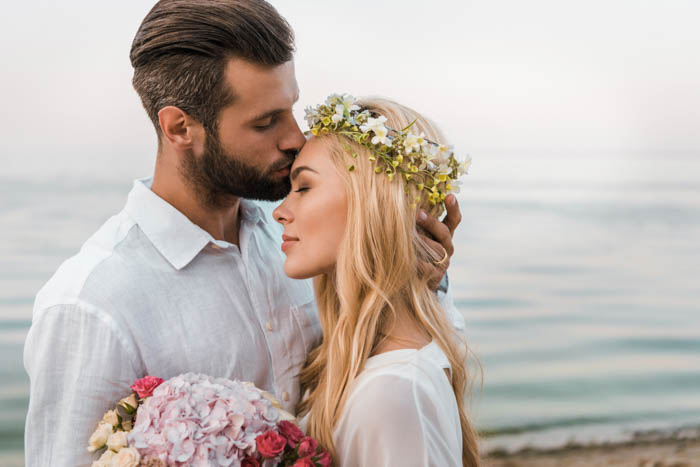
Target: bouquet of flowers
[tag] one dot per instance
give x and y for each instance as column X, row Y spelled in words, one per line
column 196, row 420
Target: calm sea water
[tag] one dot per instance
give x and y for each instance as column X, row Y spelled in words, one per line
column 582, row 300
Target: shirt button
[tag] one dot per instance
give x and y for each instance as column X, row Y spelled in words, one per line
column 268, row 326
column 285, row 396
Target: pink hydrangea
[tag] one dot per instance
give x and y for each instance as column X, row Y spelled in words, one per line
column 197, row 420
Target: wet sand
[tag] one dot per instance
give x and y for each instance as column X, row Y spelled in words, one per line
column 637, row 453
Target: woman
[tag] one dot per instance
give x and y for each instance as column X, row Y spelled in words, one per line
column 386, row 385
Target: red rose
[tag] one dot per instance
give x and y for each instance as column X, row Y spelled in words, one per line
column 145, row 386
column 304, row 462
column 250, row 462
column 270, row 444
column 290, row 431
column 324, row 459
column 307, row 447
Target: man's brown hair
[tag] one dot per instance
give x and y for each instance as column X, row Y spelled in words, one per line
column 181, row 49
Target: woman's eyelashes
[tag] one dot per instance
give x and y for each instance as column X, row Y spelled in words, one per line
column 301, row 189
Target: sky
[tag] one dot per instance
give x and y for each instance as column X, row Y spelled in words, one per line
column 543, row 88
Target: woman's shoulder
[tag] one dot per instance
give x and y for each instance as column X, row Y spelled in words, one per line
column 408, row 364
column 401, row 408
column 402, row 380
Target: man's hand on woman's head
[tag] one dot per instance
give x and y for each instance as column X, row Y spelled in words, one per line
column 441, row 242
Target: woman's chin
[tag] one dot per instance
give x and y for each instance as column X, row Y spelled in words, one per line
column 305, row 270
column 295, row 272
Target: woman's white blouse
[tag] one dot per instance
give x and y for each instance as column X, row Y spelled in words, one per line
column 401, row 411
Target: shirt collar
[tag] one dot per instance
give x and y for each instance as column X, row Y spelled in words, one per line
column 176, row 237
column 252, row 213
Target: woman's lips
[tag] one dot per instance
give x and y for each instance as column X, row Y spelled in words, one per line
column 288, row 241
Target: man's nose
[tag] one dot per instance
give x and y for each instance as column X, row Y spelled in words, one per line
column 294, row 139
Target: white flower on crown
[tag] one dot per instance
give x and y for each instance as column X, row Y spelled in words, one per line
column 453, row 186
column 413, row 142
column 443, row 171
column 380, row 130
column 430, row 153
column 311, row 116
column 445, row 152
column 339, row 113
column 332, row 99
column 341, row 104
column 464, row 165
column 348, row 102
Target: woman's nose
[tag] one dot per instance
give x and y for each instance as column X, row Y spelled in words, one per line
column 281, row 213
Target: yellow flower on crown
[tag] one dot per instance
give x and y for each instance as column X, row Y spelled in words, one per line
column 431, row 167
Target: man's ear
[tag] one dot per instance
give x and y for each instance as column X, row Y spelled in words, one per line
column 179, row 129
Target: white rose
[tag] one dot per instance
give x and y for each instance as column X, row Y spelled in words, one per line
column 127, row 457
column 117, row 441
column 130, row 404
column 105, row 460
column 111, row 418
column 100, row 436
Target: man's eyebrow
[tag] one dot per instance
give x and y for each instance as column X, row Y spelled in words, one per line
column 273, row 112
column 298, row 170
column 268, row 114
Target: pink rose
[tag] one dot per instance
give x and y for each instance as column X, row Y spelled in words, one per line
column 250, row 462
column 270, row 444
column 290, row 431
column 145, row 386
column 324, row 459
column 307, row 447
column 304, row 462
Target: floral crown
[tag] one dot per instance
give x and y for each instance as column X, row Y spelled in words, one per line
column 432, row 167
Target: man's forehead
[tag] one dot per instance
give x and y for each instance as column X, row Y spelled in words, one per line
column 259, row 88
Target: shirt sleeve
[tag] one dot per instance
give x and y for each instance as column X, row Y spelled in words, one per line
column 392, row 421
column 78, row 368
column 447, row 302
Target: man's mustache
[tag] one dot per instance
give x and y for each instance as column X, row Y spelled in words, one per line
column 283, row 163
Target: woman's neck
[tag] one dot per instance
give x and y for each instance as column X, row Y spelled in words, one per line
column 402, row 333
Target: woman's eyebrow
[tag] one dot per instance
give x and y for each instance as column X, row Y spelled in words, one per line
column 298, row 170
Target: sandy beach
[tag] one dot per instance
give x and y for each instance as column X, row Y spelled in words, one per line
column 673, row 452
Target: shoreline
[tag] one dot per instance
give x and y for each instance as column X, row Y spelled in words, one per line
column 680, row 448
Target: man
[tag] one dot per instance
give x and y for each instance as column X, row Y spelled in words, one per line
column 188, row 276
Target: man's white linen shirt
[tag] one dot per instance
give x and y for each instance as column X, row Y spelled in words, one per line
column 151, row 293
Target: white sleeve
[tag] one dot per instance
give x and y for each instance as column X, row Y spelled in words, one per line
column 78, row 369
column 447, row 302
column 391, row 421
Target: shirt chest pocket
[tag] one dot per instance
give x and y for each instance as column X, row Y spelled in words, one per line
column 306, row 317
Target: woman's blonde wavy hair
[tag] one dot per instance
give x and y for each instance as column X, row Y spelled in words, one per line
column 376, row 269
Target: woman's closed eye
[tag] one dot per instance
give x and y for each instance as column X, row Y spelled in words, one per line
column 301, row 189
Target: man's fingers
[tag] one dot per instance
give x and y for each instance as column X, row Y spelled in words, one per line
column 432, row 270
column 438, row 230
column 438, row 248
column 441, row 233
column 454, row 216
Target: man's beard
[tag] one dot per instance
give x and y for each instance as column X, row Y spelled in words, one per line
column 217, row 176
